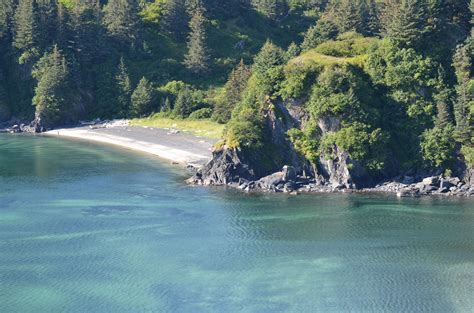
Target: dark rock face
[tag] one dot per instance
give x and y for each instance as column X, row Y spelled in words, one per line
column 228, row 166
column 282, row 169
column 278, row 121
column 19, row 126
column 340, row 171
column 38, row 125
column 239, row 166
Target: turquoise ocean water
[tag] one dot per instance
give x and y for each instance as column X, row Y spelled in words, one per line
column 85, row 228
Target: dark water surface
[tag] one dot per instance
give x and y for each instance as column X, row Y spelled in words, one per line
column 90, row 229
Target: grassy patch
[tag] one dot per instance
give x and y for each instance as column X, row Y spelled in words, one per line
column 312, row 57
column 347, row 48
column 204, row 128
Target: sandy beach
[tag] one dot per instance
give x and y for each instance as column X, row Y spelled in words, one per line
column 176, row 147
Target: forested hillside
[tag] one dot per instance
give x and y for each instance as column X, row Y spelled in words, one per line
column 125, row 58
column 374, row 87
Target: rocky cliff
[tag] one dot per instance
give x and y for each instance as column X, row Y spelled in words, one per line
column 241, row 166
column 278, row 166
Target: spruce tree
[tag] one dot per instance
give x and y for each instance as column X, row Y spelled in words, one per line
column 143, row 98
column 197, row 58
column 272, row 9
column 405, row 22
column 166, row 107
column 233, row 90
column 292, row 51
column 184, row 104
column 124, row 87
column 48, row 19
column 87, row 42
column 267, row 68
column 121, row 20
column 63, row 31
column 7, row 8
column 26, row 34
column 175, row 18
column 345, row 14
column 443, row 117
column 437, row 144
column 53, row 95
column 370, row 18
column 465, row 97
column 322, row 31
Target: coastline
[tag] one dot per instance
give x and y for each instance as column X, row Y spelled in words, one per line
column 194, row 152
column 168, row 144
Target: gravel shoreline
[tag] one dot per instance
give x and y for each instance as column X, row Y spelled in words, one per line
column 168, row 144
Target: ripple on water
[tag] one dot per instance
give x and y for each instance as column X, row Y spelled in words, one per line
column 92, row 229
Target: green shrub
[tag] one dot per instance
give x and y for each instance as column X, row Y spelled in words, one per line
column 306, row 141
column 201, row 114
column 245, row 128
column 333, row 93
column 335, row 48
column 349, row 36
column 297, row 80
column 184, row 104
column 173, row 87
column 437, row 146
column 360, row 142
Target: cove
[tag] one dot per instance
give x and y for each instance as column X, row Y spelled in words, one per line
column 85, row 228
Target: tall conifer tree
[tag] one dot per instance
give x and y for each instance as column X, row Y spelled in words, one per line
column 122, row 20
column 405, row 22
column 234, row 88
column 465, row 97
column 273, row 9
column 175, row 19
column 197, row 58
column 345, row 14
column 143, row 98
column 124, row 88
column 26, row 36
column 53, row 95
column 7, row 8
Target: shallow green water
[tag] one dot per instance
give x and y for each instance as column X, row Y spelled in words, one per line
column 91, row 229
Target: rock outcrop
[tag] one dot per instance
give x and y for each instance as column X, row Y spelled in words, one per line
column 340, row 171
column 245, row 166
column 468, row 176
column 433, row 185
column 284, row 170
column 227, row 167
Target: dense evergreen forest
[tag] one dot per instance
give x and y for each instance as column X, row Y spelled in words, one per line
column 388, row 82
